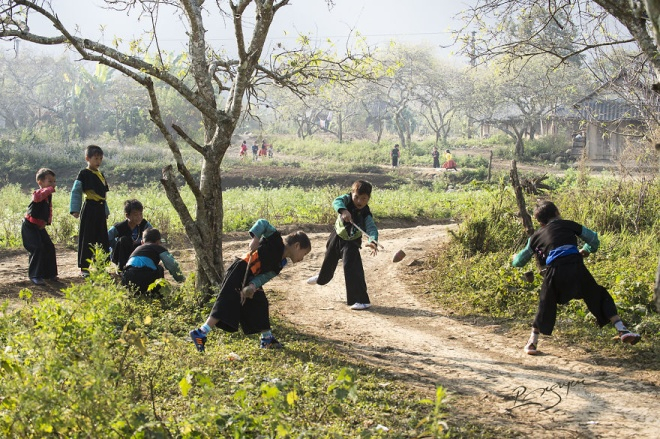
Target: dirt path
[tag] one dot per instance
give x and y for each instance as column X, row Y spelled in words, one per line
column 484, row 369
column 561, row 393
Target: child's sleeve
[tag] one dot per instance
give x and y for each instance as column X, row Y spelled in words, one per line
column 372, row 230
column 41, row 194
column 113, row 233
column 75, row 202
column 172, row 266
column 591, row 241
column 524, row 256
column 340, row 202
column 262, row 229
column 260, row 279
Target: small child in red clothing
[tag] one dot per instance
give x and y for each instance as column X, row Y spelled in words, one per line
column 43, row 263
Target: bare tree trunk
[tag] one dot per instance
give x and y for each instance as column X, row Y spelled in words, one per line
column 520, row 200
column 490, row 165
column 656, row 293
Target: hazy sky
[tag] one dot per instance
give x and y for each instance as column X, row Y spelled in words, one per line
column 380, row 20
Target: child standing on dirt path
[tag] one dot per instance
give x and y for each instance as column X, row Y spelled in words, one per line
column 345, row 242
column 94, row 212
column 126, row 236
column 36, row 240
column 242, row 300
column 143, row 267
column 565, row 275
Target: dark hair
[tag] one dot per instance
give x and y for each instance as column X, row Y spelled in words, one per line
column 361, row 187
column 298, row 237
column 93, row 151
column 545, row 211
column 43, row 172
column 131, row 205
column 447, row 151
column 151, row 235
column 396, row 146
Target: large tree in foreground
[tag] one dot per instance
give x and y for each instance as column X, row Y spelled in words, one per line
column 219, row 86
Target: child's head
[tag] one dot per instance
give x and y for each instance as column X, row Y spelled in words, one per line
column 151, row 236
column 45, row 178
column 396, row 146
column 93, row 157
column 133, row 211
column 361, row 193
column 297, row 245
column 545, row 211
column 447, row 151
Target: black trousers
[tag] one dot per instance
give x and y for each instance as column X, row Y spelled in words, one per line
column 93, row 230
column 349, row 252
column 139, row 279
column 43, row 263
column 566, row 279
column 252, row 316
column 122, row 251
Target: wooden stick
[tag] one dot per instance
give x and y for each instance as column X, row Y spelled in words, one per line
column 247, row 270
column 367, row 235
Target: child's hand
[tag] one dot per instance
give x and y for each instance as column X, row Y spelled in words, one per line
column 346, row 216
column 373, row 248
column 76, row 214
column 584, row 253
column 247, row 293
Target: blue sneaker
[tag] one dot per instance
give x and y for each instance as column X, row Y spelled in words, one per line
column 199, row 338
column 270, row 343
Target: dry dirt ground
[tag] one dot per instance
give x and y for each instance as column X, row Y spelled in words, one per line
column 559, row 393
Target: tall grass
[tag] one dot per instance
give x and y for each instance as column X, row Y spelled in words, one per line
column 473, row 274
column 242, row 207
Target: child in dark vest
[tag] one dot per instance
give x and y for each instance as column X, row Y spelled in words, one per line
column 565, row 275
column 94, row 212
column 345, row 242
column 126, row 236
column 242, row 300
column 143, row 267
column 43, row 263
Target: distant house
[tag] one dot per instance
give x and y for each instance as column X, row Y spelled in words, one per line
column 606, row 120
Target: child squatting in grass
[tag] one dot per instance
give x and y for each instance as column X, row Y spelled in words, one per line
column 242, row 300
column 565, row 275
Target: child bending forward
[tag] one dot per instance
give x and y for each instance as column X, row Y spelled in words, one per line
column 566, row 277
column 246, row 305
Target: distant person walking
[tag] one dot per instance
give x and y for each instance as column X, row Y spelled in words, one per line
column 243, row 151
column 394, row 154
column 436, row 157
column 255, row 151
column 43, row 264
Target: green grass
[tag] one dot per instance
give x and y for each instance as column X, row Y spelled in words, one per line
column 104, row 364
column 282, row 206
